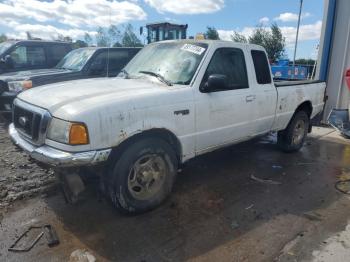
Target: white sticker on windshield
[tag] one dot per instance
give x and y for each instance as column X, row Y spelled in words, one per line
column 193, row 49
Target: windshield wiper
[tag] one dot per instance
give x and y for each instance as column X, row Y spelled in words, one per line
column 64, row 68
column 160, row 77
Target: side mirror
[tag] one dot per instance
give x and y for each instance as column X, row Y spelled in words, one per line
column 214, row 83
column 8, row 61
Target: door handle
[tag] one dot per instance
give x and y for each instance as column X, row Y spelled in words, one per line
column 250, row 98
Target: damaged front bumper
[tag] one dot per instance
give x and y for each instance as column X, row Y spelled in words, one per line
column 54, row 157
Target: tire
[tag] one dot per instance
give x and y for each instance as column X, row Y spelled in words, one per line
column 143, row 176
column 293, row 137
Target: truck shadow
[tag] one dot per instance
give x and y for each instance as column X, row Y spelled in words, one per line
column 215, row 205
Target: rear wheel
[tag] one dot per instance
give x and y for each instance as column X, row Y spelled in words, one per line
column 293, row 137
column 143, row 176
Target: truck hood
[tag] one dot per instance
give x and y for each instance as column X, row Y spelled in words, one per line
column 80, row 94
column 29, row 74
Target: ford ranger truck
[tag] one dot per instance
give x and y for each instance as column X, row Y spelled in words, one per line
column 174, row 100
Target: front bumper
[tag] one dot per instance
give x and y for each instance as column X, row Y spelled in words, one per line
column 54, row 157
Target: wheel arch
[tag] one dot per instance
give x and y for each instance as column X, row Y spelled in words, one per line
column 305, row 106
column 161, row 133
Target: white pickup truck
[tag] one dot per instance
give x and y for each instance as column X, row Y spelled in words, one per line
column 175, row 100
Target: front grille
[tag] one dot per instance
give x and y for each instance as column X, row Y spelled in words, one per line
column 27, row 122
column 30, row 121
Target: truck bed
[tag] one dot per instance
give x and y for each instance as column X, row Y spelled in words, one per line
column 291, row 94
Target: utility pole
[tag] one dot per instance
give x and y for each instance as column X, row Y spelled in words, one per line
column 297, row 36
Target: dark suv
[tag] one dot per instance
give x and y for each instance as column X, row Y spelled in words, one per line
column 87, row 62
column 31, row 54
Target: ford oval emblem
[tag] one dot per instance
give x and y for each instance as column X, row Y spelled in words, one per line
column 23, row 121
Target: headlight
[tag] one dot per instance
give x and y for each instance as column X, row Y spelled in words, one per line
column 68, row 132
column 18, row 86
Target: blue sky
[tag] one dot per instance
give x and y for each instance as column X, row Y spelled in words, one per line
column 47, row 19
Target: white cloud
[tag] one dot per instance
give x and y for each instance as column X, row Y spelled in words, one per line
column 307, row 32
column 187, row 6
column 290, row 17
column 46, row 32
column 74, row 13
column 264, row 20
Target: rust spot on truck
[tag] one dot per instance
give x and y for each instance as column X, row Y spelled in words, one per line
column 123, row 135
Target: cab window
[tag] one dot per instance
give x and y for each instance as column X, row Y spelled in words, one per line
column 28, row 56
column 117, row 60
column 261, row 66
column 230, row 63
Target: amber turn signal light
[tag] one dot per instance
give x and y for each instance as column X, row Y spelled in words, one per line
column 78, row 134
column 27, row 84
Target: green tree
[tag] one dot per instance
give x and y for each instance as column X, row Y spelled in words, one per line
column 239, row 38
column 117, row 44
column 68, row 39
column 303, row 61
column 212, row 33
column 79, row 44
column 272, row 40
column 275, row 43
column 115, row 36
column 102, row 38
column 129, row 38
column 88, row 39
column 3, row 38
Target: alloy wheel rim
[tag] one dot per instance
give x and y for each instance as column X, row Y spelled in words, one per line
column 147, row 176
column 299, row 132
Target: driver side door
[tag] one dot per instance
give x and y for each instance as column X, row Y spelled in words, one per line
column 223, row 116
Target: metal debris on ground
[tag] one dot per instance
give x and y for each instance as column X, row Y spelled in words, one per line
column 304, row 164
column 265, row 181
column 343, row 186
column 81, row 255
column 234, row 224
column 313, row 216
column 48, row 230
column 277, row 167
column 28, row 246
column 249, row 207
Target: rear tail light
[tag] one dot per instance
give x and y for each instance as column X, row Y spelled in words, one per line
column 347, row 77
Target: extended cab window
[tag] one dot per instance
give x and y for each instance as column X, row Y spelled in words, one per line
column 261, row 66
column 57, row 53
column 229, row 62
column 117, row 60
column 24, row 56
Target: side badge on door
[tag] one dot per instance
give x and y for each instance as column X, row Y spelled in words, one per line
column 182, row 112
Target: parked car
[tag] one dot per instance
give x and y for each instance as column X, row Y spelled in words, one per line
column 80, row 63
column 31, row 54
column 175, row 100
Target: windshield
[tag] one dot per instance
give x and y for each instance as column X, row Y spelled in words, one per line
column 76, row 59
column 174, row 63
column 4, row 46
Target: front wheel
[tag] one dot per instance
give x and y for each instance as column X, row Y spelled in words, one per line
column 143, row 176
column 293, row 137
